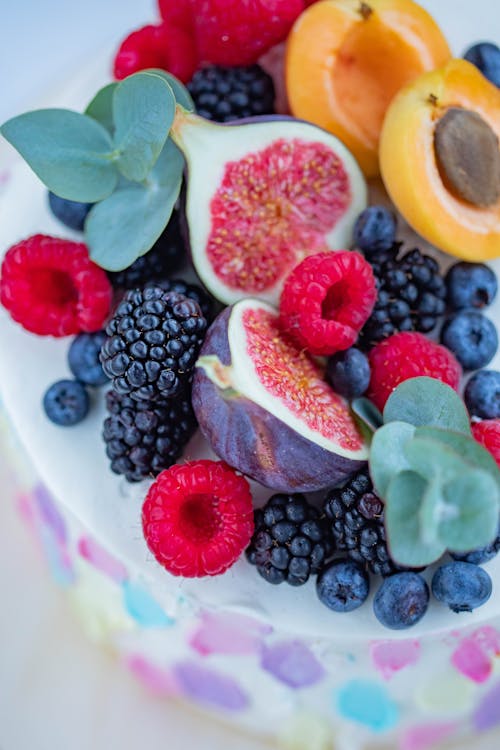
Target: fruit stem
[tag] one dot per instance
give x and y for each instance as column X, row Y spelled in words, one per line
column 182, row 121
column 365, row 10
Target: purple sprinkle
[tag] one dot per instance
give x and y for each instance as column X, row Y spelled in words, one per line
column 292, row 663
column 49, row 513
column 207, row 686
column 487, row 713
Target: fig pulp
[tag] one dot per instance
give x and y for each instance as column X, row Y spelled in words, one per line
column 263, row 194
column 264, row 407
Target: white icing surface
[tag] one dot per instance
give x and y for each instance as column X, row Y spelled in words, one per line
column 73, row 464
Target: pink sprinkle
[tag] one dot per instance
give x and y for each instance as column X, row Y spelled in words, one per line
column 425, row 736
column 25, row 508
column 474, row 654
column 4, row 178
column 228, row 634
column 102, row 560
column 155, row 679
column 390, row 657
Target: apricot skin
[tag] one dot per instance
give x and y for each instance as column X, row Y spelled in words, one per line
column 408, row 163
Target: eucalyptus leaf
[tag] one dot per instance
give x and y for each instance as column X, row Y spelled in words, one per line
column 69, row 152
column 473, row 506
column 387, row 454
column 367, row 413
column 432, row 459
column 402, row 520
column 426, row 401
column 429, row 513
column 143, row 113
column 182, row 95
column 101, row 107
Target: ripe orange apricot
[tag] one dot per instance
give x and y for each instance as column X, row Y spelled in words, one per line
column 346, row 60
column 410, row 161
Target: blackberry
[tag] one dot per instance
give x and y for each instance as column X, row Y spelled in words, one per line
column 166, row 255
column 355, row 515
column 289, row 542
column 411, row 295
column 193, row 291
column 153, row 342
column 145, row 437
column 225, row 94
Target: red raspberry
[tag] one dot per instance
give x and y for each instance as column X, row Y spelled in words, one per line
column 164, row 46
column 51, row 287
column 487, row 433
column 327, row 299
column 177, row 12
column 408, row 355
column 238, row 32
column 198, row 518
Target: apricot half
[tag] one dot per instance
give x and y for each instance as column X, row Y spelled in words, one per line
column 440, row 159
column 346, row 60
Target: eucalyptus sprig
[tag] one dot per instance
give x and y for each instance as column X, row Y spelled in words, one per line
column 440, row 487
column 118, row 155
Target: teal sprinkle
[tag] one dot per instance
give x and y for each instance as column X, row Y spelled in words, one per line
column 367, row 703
column 143, row 608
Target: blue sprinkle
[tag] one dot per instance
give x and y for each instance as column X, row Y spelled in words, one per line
column 367, row 703
column 143, row 608
column 57, row 559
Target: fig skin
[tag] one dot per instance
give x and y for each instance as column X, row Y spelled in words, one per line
column 254, row 441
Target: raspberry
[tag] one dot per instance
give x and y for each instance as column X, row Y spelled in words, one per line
column 177, row 12
column 164, row 46
column 238, row 32
column 327, row 299
column 487, row 433
column 52, row 288
column 198, row 518
column 408, row 355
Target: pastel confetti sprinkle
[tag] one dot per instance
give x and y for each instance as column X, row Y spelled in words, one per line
column 48, row 513
column 487, row 713
column 390, row 657
column 208, row 686
column 306, row 730
column 155, row 679
column 367, row 703
column 425, row 736
column 446, row 693
column 228, row 634
column 293, row 663
column 94, row 554
column 474, row 655
column 57, row 558
column 143, row 608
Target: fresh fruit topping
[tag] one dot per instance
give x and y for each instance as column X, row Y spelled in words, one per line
column 343, row 586
column 153, row 341
column 198, row 518
column 461, row 585
column 261, row 196
column 408, row 355
column 52, row 288
column 355, row 517
column 289, row 542
column 177, row 12
column 482, row 394
column 410, row 294
column 487, row 432
column 225, row 94
column 401, row 601
column 265, row 408
column 347, row 59
column 83, row 358
column 483, row 554
column 470, row 285
column 238, row 32
column 327, row 299
column 375, row 231
column 472, row 338
column 348, row 373
column 486, row 57
column 145, row 437
column 66, row 403
column 164, row 46
column 70, row 213
column 192, row 291
column 433, row 144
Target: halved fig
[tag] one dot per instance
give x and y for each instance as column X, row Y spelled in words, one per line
column 264, row 407
column 263, row 194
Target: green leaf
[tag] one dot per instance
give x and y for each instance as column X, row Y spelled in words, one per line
column 473, row 505
column 182, row 95
column 367, row 413
column 387, row 454
column 426, row 401
column 434, row 460
column 143, row 113
column 70, row 152
column 406, row 542
column 101, row 107
column 127, row 224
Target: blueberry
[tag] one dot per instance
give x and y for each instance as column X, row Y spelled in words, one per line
column 66, row 402
column 463, row 586
column 349, row 373
column 70, row 213
column 401, row 601
column 482, row 394
column 481, row 555
column 375, row 230
column 471, row 337
column 343, row 585
column 486, row 57
column 470, row 285
column 83, row 358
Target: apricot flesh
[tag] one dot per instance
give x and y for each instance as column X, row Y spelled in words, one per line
column 346, row 60
column 410, row 169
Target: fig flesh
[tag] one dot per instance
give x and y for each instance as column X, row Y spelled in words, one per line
column 262, row 194
column 264, row 407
